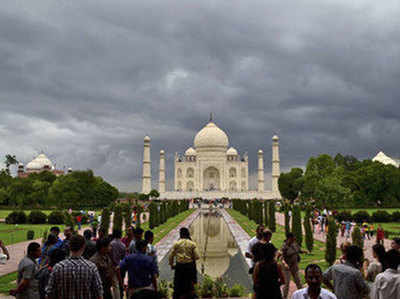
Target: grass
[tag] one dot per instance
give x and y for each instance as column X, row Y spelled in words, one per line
column 14, row 233
column 316, row 257
column 8, row 282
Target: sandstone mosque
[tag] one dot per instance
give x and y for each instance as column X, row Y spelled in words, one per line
column 211, row 169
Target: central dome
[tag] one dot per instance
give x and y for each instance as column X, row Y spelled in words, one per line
column 211, row 136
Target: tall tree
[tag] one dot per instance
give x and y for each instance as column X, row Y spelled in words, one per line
column 330, row 252
column 296, row 225
column 290, row 184
column 10, row 160
column 308, row 231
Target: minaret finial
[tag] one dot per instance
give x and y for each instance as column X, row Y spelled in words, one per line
column 211, row 117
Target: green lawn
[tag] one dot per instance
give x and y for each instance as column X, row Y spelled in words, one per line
column 316, row 257
column 7, row 282
column 370, row 211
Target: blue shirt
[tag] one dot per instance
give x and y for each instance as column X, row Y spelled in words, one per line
column 141, row 268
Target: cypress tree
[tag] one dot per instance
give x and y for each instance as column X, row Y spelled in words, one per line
column 266, row 213
column 330, row 252
column 357, row 238
column 287, row 218
column 296, row 225
column 151, row 216
column 308, row 232
column 105, row 219
column 163, row 212
column 157, row 214
column 127, row 213
column 117, row 220
column 272, row 221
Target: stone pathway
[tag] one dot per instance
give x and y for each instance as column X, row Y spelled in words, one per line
column 280, row 219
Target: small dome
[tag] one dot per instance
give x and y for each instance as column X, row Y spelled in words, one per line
column 147, row 138
column 20, row 165
column 190, row 152
column 162, row 152
column 39, row 163
column 232, row 152
column 275, row 138
column 211, row 136
column 260, row 152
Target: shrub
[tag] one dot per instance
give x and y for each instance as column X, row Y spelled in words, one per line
column 163, row 289
column 308, row 232
column 287, row 218
column 56, row 217
column 343, row 216
column 206, row 288
column 330, row 253
column 361, row 216
column 266, row 213
column 356, row 237
column 221, row 289
column 127, row 213
column 381, row 216
column 30, row 234
column 69, row 221
column 237, row 290
column 396, row 216
column 296, row 225
column 105, row 219
column 271, row 218
column 16, row 217
column 37, row 217
column 117, row 221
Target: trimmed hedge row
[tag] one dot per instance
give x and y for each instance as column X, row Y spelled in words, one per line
column 35, row 217
column 362, row 216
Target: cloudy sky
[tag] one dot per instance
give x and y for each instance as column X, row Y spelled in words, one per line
column 84, row 81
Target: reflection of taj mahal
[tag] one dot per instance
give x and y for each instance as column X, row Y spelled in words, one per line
column 210, row 169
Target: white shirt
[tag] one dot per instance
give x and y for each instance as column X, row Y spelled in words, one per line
column 303, row 294
column 386, row 285
column 253, row 241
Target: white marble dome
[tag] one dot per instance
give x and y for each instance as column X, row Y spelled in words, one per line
column 211, row 137
column 232, row 152
column 39, row 163
column 190, row 152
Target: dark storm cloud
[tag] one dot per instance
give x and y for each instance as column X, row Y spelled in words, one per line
column 86, row 80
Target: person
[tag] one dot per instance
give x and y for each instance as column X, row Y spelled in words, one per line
column 348, row 229
column 75, row 277
column 291, row 258
column 348, row 282
column 128, row 237
column 182, row 259
column 105, row 265
column 374, row 268
column 141, row 269
column 387, row 284
column 252, row 242
column 380, row 235
column 343, row 247
column 371, row 230
column 5, row 250
column 55, row 256
column 313, row 276
column 68, row 231
column 55, row 230
column 102, row 234
column 27, row 283
column 151, row 249
column 79, row 221
column 258, row 249
column 268, row 275
column 396, row 244
column 342, row 228
column 118, row 252
column 137, row 235
column 49, row 245
column 90, row 248
column 365, row 227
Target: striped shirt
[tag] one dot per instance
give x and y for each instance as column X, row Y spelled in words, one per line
column 75, row 278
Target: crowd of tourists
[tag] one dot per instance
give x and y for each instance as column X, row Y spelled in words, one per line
column 350, row 277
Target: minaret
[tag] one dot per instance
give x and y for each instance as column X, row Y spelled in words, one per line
column 260, row 171
column 161, row 184
column 275, row 165
column 146, row 179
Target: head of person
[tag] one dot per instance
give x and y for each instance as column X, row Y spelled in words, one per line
column 269, row 252
column 313, row 275
column 344, row 246
column 138, row 233
column 51, row 240
column 103, row 246
column 149, row 237
column 34, row 250
column 129, row 232
column 141, row 246
column 290, row 238
column 396, row 244
column 102, row 233
column 55, row 256
column 77, row 244
column 392, row 259
column 259, row 231
column 378, row 252
column 184, row 233
column 68, row 232
column 117, row 234
column 87, row 234
column 354, row 255
column 266, row 235
column 55, row 230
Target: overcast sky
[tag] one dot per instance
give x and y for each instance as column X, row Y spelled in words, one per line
column 85, row 81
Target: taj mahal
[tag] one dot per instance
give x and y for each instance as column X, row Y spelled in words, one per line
column 211, row 169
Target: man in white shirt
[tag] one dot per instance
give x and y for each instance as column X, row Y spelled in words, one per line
column 253, row 241
column 313, row 274
column 387, row 284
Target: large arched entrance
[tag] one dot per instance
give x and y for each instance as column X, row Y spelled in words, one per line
column 211, row 179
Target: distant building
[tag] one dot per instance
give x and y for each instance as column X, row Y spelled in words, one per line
column 37, row 165
column 384, row 159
